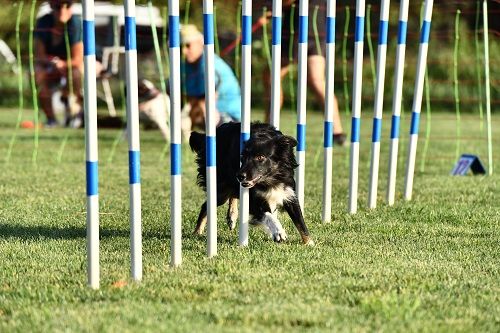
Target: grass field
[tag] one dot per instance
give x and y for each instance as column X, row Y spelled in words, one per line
column 432, row 264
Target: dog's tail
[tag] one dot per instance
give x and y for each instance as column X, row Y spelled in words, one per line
column 197, row 144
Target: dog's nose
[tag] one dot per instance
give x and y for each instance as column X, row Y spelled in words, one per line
column 241, row 176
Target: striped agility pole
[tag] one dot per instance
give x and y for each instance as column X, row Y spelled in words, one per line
column 329, row 104
column 276, row 64
column 417, row 98
column 246, row 86
column 175, row 135
column 396, row 101
column 301, row 100
column 134, row 154
column 356, row 105
column 210, row 127
column 379, row 102
column 91, row 156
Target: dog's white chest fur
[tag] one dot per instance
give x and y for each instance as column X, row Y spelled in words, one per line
column 278, row 195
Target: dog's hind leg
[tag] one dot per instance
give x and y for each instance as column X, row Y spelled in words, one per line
column 202, row 220
column 293, row 209
column 232, row 213
column 202, row 217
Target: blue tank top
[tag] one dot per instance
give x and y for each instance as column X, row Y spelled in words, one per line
column 226, row 85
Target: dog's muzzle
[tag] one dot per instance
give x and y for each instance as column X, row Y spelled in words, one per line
column 242, row 178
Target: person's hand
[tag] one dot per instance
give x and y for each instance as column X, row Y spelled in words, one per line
column 58, row 63
column 98, row 68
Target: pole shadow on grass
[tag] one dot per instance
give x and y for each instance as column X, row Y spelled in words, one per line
column 34, row 233
column 40, row 232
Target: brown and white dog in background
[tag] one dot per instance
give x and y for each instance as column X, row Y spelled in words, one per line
column 154, row 107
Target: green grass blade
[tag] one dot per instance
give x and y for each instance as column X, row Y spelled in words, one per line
column 344, row 60
column 487, row 87
column 216, row 34
column 478, row 68
column 159, row 63
column 70, row 87
column 33, row 84
column 265, row 40
column 370, row 44
column 19, row 82
column 428, row 109
column 183, row 58
column 165, row 42
column 120, row 133
column 455, row 81
column 315, row 30
column 237, row 66
column 291, row 72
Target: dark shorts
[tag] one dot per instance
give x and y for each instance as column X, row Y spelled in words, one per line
column 313, row 38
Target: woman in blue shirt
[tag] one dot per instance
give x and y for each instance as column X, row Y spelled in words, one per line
column 228, row 103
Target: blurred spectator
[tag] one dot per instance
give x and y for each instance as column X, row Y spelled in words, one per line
column 228, row 103
column 316, row 61
column 51, row 73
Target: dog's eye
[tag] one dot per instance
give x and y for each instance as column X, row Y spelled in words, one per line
column 260, row 158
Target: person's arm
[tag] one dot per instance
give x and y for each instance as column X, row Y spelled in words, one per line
column 41, row 56
column 77, row 55
column 76, row 59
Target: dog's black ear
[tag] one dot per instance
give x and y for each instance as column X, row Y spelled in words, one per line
column 285, row 140
column 197, row 141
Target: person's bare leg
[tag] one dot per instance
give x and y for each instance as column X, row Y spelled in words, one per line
column 316, row 78
column 44, row 93
column 75, row 102
column 267, row 91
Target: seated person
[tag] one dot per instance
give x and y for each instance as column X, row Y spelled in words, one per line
column 51, row 72
column 316, row 60
column 228, row 96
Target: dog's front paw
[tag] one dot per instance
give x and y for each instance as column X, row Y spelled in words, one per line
column 280, row 236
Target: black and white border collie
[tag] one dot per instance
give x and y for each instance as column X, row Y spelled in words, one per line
column 267, row 169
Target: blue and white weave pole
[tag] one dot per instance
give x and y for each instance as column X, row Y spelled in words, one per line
column 175, row 134
column 356, row 105
column 246, row 87
column 276, row 64
column 417, row 97
column 133, row 140
column 91, row 156
column 301, row 100
column 379, row 102
column 396, row 101
column 210, row 127
column 329, row 105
